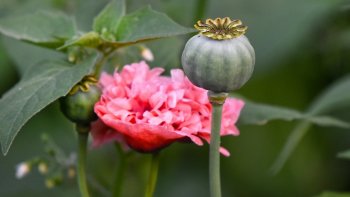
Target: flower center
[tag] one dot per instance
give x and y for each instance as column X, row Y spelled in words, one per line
column 221, row 28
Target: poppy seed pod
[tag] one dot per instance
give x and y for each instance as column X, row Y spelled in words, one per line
column 220, row 58
column 78, row 105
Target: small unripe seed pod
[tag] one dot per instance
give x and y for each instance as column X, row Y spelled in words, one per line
column 220, row 58
column 78, row 105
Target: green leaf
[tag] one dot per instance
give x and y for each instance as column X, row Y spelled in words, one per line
column 327, row 121
column 25, row 55
column 259, row 114
column 293, row 139
column 254, row 113
column 335, row 97
column 40, row 86
column 334, row 194
column 49, row 29
column 119, row 30
column 165, row 56
column 108, row 20
column 90, row 39
column 147, row 24
column 298, row 133
column 344, row 154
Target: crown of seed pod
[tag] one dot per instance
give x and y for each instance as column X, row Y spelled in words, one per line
column 220, row 58
column 78, row 105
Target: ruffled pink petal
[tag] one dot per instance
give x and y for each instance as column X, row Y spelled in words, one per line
column 232, row 108
column 193, row 138
column 154, row 73
column 152, row 111
column 128, row 74
column 106, row 80
column 174, row 97
column 119, row 104
column 102, row 134
column 231, row 111
column 224, row 152
column 177, row 77
column 144, row 137
column 157, row 100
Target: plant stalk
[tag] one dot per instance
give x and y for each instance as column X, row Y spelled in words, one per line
column 120, row 171
column 217, row 100
column 83, row 137
column 152, row 179
column 99, row 64
column 200, row 10
column 294, row 137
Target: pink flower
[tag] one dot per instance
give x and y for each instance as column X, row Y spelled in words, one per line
column 149, row 111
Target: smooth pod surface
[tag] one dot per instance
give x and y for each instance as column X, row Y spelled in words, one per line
column 218, row 65
column 79, row 107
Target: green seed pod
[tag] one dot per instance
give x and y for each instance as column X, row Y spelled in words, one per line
column 78, row 105
column 220, row 58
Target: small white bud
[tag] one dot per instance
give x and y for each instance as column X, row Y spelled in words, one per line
column 72, row 57
column 147, row 54
column 22, row 169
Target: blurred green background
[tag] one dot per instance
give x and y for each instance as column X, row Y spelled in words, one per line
column 301, row 48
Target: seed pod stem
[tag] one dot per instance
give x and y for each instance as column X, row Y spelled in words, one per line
column 83, row 137
column 82, row 128
column 219, row 59
column 217, row 100
column 153, row 174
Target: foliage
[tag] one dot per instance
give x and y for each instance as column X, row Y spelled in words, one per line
column 46, row 29
column 39, row 87
column 303, row 57
column 42, row 28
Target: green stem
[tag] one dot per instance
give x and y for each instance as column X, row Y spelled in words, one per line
column 101, row 62
column 293, row 139
column 200, row 10
column 214, row 154
column 152, row 179
column 217, row 100
column 99, row 65
column 120, row 171
column 83, row 137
